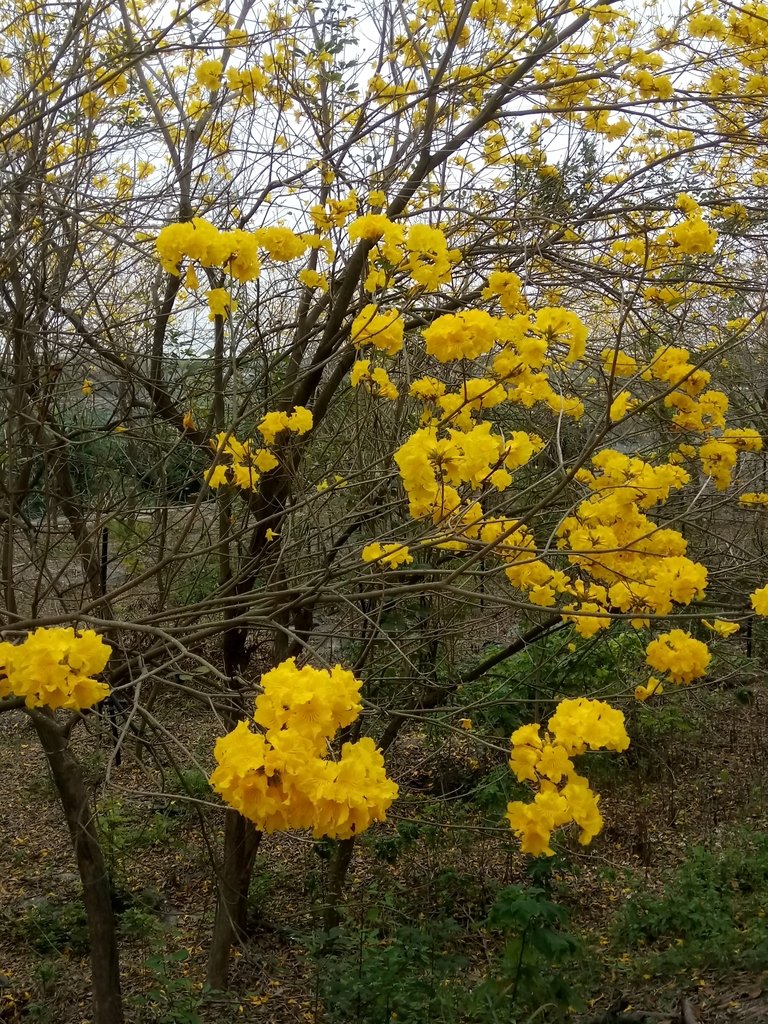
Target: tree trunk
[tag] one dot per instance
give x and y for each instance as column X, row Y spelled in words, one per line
column 241, row 843
column 337, row 874
column 97, row 896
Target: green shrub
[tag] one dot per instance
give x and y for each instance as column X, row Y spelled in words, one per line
column 408, row 976
column 712, row 907
column 170, row 998
column 525, row 686
column 385, row 972
column 52, row 927
column 528, row 976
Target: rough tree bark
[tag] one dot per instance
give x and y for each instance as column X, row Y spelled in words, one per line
column 241, row 843
column 97, row 894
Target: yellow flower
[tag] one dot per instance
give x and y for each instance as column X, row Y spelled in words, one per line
column 392, row 555
column 220, row 303
column 377, row 381
column 281, row 243
column 312, row 279
column 383, row 330
column 188, row 422
column 754, row 498
column 464, row 335
column 721, row 627
column 759, row 599
column 236, row 37
column 621, row 405
column 678, row 654
column 208, row 74
column 274, row 423
column 694, row 237
column 247, row 463
column 280, row 779
column 652, row 688
column 87, row 387
column 54, row 668
column 507, row 286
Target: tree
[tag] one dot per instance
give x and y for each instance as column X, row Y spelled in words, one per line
column 380, row 313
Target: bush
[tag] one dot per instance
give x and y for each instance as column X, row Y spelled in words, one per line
column 52, row 927
column 712, row 907
column 412, row 974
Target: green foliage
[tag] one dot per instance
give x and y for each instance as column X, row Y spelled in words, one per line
column 712, row 908
column 51, row 926
column 192, row 785
column 124, row 830
column 139, row 922
column 666, row 719
column 522, row 688
column 389, row 847
column 527, row 976
column 407, row 975
column 170, row 998
column 195, row 784
column 494, row 792
column 387, row 971
column 195, row 581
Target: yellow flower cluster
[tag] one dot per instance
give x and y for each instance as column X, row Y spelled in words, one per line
column 377, row 381
column 433, row 467
column 696, row 410
column 530, row 343
column 281, row 243
column 694, row 236
column 427, row 389
column 458, row 408
column 392, row 555
column 653, row 688
column 759, row 600
column 312, row 279
column 280, row 779
column 680, row 655
column 507, row 287
column 334, row 214
column 54, row 668
column 220, row 303
column 429, row 260
column 383, row 330
column 643, row 568
column 465, row 335
column 722, row 627
column 273, row 423
column 247, row 82
column 241, row 463
column 422, row 251
column 618, row 363
column 236, row 251
column 208, row 73
column 720, row 455
column 245, row 463
column 563, row 795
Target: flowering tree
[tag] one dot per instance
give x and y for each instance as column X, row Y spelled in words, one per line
column 354, row 310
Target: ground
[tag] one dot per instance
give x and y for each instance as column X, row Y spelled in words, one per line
column 441, row 859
